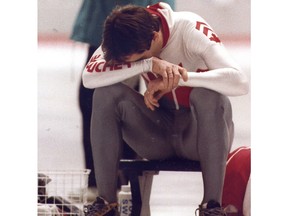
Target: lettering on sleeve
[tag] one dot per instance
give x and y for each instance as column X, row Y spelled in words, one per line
column 96, row 64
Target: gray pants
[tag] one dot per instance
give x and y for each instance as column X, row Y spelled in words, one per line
column 204, row 132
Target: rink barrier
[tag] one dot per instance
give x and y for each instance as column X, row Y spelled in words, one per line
column 140, row 175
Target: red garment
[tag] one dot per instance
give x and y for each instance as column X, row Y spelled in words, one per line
column 238, row 169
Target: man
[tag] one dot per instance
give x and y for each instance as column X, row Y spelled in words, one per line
column 185, row 111
column 88, row 28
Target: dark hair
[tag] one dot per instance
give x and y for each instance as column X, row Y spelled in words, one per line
column 128, row 30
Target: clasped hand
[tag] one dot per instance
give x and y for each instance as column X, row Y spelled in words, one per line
column 169, row 76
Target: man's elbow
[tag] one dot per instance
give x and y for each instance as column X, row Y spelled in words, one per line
column 87, row 83
column 243, row 85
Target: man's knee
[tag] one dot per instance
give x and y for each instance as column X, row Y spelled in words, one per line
column 214, row 109
column 209, row 101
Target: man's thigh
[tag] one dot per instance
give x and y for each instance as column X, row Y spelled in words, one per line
column 145, row 131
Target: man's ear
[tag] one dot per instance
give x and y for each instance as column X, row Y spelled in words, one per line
column 156, row 35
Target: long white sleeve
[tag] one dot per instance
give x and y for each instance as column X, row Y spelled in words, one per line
column 223, row 75
column 98, row 74
column 227, row 81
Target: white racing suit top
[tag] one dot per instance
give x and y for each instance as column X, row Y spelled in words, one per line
column 189, row 42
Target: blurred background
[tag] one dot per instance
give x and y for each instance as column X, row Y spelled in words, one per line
column 60, row 63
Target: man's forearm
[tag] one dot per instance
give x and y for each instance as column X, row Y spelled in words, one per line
column 227, row 81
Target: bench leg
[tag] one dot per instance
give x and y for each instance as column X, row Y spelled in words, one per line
column 146, row 181
column 141, row 184
column 136, row 193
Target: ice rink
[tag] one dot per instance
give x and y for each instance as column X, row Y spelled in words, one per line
column 59, row 127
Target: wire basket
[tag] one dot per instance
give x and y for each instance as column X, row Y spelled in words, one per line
column 62, row 193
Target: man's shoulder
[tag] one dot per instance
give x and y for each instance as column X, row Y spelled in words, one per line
column 187, row 17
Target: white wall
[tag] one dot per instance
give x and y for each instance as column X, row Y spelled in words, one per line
column 225, row 16
column 57, row 16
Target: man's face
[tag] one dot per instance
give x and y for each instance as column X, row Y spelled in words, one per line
column 155, row 49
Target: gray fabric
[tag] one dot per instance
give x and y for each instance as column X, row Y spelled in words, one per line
column 204, row 133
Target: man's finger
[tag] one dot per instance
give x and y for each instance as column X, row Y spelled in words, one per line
column 184, row 73
column 170, row 77
column 151, row 98
column 148, row 104
column 165, row 79
column 176, row 77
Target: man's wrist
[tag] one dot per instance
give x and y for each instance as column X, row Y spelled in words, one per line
column 182, row 82
column 148, row 64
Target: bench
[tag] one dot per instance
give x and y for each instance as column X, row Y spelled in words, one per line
column 140, row 174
